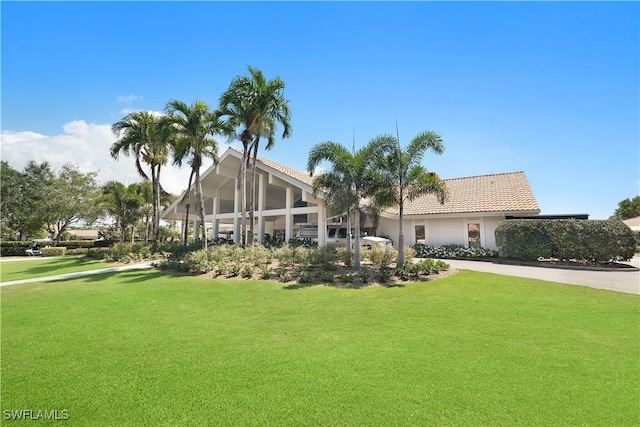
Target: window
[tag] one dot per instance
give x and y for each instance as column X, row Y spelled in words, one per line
column 474, row 235
column 342, row 233
column 420, row 234
column 332, row 233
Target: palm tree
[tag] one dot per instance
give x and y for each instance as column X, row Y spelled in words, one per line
column 352, row 178
column 146, row 137
column 194, row 126
column 256, row 106
column 407, row 178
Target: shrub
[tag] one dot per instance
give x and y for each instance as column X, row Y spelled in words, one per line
column 426, row 266
column 325, row 257
column 441, row 266
column 199, row 261
column 54, row 251
column 384, row 275
column 265, row 273
column 222, row 268
column 345, row 255
column 283, row 274
column 571, row 239
column 452, row 251
column 383, row 257
column 409, row 253
column 347, row 277
column 304, row 276
column 98, row 253
column 365, row 274
column 247, row 271
column 405, row 271
column 234, row 270
column 325, row 276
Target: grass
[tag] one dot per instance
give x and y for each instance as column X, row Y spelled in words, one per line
column 145, row 348
column 17, row 270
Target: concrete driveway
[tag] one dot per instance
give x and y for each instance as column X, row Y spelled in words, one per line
column 620, row 281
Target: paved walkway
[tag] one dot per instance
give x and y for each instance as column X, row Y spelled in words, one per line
column 619, row 281
column 78, row 274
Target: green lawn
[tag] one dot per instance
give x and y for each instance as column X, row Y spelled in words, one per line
column 145, row 348
column 17, row 270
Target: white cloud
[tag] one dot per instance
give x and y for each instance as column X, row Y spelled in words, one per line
column 129, row 98
column 87, row 146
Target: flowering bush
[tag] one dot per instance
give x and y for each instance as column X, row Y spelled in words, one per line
column 452, row 251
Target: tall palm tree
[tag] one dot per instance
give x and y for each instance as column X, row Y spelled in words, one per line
column 146, row 137
column 194, row 126
column 352, row 178
column 407, row 178
column 256, row 106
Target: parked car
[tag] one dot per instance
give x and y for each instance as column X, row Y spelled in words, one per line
column 337, row 237
column 33, row 251
column 372, row 242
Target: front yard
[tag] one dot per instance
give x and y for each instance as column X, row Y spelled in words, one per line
column 148, row 348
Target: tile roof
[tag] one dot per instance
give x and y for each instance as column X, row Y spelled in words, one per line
column 502, row 192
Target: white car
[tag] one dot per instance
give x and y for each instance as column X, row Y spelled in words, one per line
column 33, row 251
column 372, row 242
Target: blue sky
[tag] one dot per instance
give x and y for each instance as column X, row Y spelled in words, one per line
column 549, row 88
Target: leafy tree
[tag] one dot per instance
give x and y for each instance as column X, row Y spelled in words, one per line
column 147, row 137
column 256, row 106
column 353, row 177
column 73, row 198
column 24, row 197
column 124, row 204
column 194, row 126
column 627, row 208
column 406, row 179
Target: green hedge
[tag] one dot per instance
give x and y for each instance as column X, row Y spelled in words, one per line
column 565, row 239
column 54, row 251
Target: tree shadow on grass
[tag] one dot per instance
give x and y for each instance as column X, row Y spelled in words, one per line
column 359, row 285
column 127, row 276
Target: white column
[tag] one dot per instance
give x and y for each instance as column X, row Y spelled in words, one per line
column 216, row 207
column 288, row 234
column 322, row 225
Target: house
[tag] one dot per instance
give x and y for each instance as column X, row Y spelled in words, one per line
column 284, row 202
column 634, row 225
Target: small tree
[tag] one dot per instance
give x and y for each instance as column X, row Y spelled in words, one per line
column 627, row 208
column 74, row 197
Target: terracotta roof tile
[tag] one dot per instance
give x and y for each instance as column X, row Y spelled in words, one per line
column 501, row 192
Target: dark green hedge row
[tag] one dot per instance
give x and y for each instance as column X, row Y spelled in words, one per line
column 565, row 239
column 17, row 247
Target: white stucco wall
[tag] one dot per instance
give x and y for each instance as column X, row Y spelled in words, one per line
column 445, row 231
column 490, row 224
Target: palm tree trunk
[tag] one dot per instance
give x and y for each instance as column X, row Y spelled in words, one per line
column 252, row 190
column 243, row 187
column 400, row 260
column 356, row 255
column 200, row 198
column 185, row 232
column 156, row 204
